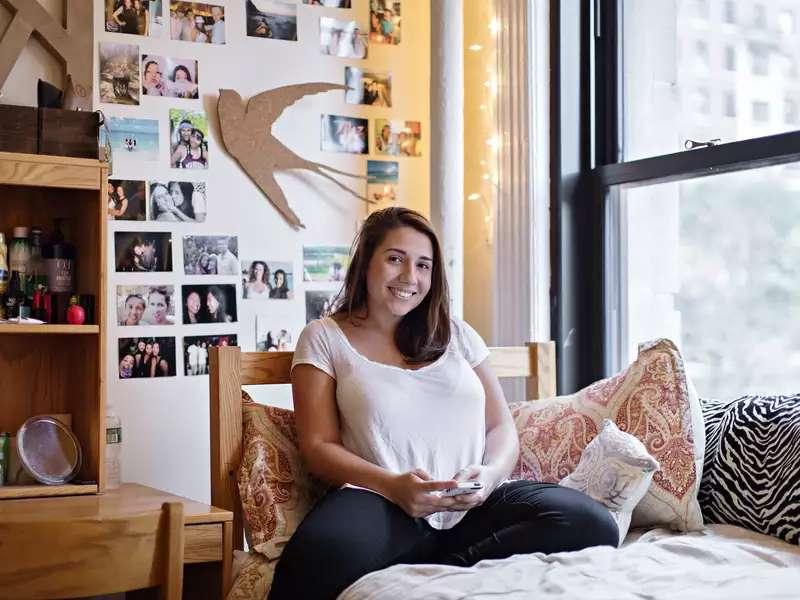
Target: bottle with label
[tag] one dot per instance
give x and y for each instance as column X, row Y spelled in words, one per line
column 15, row 296
column 113, row 449
column 5, row 274
column 36, row 274
column 59, row 262
column 19, row 252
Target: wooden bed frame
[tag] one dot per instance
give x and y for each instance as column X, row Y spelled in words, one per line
column 231, row 369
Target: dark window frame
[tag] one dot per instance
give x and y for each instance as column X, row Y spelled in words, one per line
column 587, row 167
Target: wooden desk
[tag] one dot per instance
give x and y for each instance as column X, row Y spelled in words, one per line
column 209, row 530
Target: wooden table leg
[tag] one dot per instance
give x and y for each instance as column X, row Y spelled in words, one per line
column 227, row 557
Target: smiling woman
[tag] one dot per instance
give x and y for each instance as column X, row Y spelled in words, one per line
column 372, row 385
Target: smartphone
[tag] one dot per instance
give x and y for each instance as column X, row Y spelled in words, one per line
column 463, row 487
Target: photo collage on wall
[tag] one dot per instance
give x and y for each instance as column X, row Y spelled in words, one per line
column 162, row 156
column 145, row 188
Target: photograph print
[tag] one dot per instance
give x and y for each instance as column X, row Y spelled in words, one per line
column 209, row 303
column 345, row 39
column 169, row 77
column 188, row 139
column 132, row 141
column 197, row 22
column 178, row 201
column 329, row 3
column 141, row 357
column 127, row 200
column 325, row 263
column 367, row 87
column 143, row 251
column 382, row 176
column 195, row 351
column 145, row 305
column 398, row 138
column 210, row 255
column 384, row 21
column 262, row 280
column 119, row 73
column 134, row 17
column 319, row 304
column 344, row 134
column 272, row 19
column 271, row 337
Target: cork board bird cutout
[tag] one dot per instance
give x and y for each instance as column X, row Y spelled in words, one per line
column 247, row 135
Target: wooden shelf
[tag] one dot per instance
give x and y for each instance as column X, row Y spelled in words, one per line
column 40, row 170
column 12, row 329
column 42, row 491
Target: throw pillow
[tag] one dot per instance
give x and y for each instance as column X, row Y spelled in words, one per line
column 275, row 489
column 616, row 470
column 752, row 475
column 651, row 400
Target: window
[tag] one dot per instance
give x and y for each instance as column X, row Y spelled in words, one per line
column 729, row 12
column 729, row 99
column 759, row 16
column 730, row 58
column 700, row 245
column 660, row 105
column 790, row 113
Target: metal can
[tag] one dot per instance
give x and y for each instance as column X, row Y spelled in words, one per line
column 3, row 458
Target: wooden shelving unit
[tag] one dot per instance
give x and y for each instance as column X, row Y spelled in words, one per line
column 49, row 369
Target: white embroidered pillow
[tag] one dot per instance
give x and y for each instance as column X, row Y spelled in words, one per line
column 616, row 470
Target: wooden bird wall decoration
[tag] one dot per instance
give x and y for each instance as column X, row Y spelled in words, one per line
column 73, row 43
column 247, row 135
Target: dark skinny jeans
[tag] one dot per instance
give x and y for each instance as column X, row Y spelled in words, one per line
column 351, row 532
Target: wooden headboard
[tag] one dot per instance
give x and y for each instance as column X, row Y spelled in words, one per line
column 231, row 369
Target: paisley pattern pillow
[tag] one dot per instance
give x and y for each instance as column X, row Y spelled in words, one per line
column 651, row 400
column 616, row 470
column 275, row 489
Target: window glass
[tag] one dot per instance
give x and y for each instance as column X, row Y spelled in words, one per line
column 714, row 264
column 751, row 49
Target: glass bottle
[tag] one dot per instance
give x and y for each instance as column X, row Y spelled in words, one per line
column 113, row 449
column 59, row 262
column 4, row 272
column 19, row 254
column 36, row 275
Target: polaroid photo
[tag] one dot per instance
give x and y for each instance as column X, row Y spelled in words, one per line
column 345, row 39
column 272, row 337
column 263, row 280
column 319, row 304
column 141, row 357
column 325, row 263
column 398, row 138
column 367, row 87
column 134, row 17
column 197, row 22
column 209, row 303
column 272, row 19
column 384, row 22
column 119, row 73
column 195, row 351
column 133, row 141
column 210, row 255
column 145, row 305
column 169, row 77
column 178, row 201
column 344, row 134
column 143, row 251
column 188, row 139
column 127, row 200
column 382, row 177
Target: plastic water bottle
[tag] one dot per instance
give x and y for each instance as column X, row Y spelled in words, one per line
column 113, row 449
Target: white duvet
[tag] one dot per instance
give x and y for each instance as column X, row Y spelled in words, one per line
column 722, row 562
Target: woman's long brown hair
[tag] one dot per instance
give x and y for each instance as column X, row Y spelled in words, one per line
column 424, row 333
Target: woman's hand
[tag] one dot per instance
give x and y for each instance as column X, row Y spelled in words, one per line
column 483, row 473
column 414, row 492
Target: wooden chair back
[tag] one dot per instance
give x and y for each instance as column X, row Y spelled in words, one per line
column 73, row 557
column 230, row 369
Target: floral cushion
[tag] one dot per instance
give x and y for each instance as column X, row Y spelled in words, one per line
column 275, row 489
column 651, row 400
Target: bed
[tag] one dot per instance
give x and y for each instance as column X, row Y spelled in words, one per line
column 722, row 561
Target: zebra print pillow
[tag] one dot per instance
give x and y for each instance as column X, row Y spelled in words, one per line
column 751, row 475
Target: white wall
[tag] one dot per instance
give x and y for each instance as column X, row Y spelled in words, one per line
column 165, row 421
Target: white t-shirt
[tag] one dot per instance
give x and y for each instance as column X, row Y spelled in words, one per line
column 433, row 418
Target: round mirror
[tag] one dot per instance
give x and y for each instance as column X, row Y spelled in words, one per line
column 48, row 450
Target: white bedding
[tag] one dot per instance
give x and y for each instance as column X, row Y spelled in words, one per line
column 722, row 562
